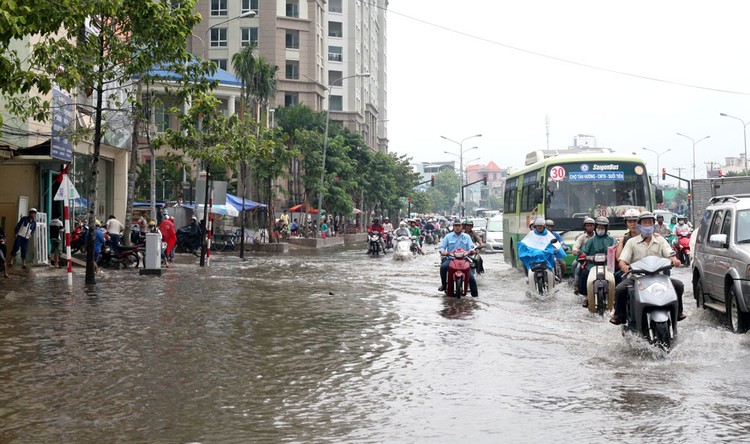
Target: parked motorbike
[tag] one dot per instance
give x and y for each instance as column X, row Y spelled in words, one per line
column 188, row 240
column 458, row 273
column 373, row 243
column 126, row 257
column 78, row 239
column 600, row 286
column 682, row 246
column 652, row 308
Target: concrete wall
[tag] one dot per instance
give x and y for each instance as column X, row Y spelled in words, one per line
column 16, row 180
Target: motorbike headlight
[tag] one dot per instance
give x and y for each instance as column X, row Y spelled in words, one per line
column 658, row 290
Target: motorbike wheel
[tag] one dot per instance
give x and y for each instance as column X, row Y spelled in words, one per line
column 132, row 260
column 662, row 338
column 738, row 321
column 601, row 301
column 686, row 262
column 540, row 284
column 458, row 287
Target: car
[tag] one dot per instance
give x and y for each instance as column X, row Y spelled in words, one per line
column 494, row 243
column 668, row 215
column 721, row 260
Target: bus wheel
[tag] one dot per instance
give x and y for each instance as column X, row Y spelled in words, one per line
column 512, row 255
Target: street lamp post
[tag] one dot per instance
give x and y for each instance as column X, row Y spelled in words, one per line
column 461, row 167
column 744, row 133
column 695, row 142
column 658, row 155
column 325, row 142
column 246, row 14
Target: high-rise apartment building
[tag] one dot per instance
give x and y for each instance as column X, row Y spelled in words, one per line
column 317, row 45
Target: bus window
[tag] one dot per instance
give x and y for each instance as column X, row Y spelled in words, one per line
column 510, row 195
column 530, row 185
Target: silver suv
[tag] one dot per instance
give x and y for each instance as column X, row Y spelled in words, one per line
column 721, row 267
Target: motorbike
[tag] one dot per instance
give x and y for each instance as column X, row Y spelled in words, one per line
column 78, row 239
column 476, row 261
column 652, row 308
column 541, row 279
column 430, row 237
column 373, row 243
column 126, row 257
column 403, row 248
column 600, row 286
column 682, row 246
column 459, row 273
column 388, row 238
column 188, row 240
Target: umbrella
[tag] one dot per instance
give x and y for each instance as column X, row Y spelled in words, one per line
column 302, row 208
column 219, row 209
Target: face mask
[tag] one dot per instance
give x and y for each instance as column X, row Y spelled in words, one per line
column 601, row 231
column 645, row 231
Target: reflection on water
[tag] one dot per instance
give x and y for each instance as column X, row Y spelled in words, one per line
column 338, row 346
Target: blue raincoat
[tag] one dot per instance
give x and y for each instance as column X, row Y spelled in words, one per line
column 536, row 247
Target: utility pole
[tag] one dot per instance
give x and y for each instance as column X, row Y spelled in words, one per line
column 679, row 174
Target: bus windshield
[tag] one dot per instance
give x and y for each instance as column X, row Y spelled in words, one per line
column 577, row 190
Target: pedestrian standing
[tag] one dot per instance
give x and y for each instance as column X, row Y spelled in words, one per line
column 98, row 244
column 114, row 229
column 56, row 231
column 169, row 236
column 24, row 230
column 3, row 253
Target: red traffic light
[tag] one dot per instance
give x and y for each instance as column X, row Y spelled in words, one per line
column 663, row 173
column 432, row 181
column 721, row 173
column 484, row 180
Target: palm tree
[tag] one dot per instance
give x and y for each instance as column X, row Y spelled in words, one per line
column 264, row 86
column 244, row 64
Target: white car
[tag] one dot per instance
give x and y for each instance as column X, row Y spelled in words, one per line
column 494, row 242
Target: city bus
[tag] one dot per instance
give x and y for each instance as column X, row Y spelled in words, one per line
column 569, row 185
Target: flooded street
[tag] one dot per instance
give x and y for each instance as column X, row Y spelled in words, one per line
column 334, row 346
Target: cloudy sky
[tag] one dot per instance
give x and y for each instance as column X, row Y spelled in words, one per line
column 632, row 74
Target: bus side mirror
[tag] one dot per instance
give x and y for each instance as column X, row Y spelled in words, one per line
column 659, row 196
column 538, row 196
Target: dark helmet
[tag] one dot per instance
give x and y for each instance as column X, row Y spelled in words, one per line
column 375, row 220
column 468, row 222
column 601, row 220
column 457, row 221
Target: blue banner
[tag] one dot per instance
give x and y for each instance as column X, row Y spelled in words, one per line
column 63, row 113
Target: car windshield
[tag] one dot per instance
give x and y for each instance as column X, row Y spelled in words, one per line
column 743, row 226
column 495, row 225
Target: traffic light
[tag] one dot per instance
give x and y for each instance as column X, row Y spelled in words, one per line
column 484, row 180
column 663, row 174
column 432, row 181
column 690, row 196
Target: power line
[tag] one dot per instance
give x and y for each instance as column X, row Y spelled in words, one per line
column 560, row 59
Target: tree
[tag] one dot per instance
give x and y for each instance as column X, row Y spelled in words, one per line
column 445, row 191
column 127, row 38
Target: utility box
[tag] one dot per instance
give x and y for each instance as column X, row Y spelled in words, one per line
column 152, row 254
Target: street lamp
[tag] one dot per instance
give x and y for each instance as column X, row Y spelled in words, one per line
column 744, row 133
column 658, row 155
column 694, row 143
column 246, row 14
column 461, row 166
column 325, row 140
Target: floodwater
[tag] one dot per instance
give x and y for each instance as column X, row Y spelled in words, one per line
column 335, row 346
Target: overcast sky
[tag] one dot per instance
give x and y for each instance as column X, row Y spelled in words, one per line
column 451, row 72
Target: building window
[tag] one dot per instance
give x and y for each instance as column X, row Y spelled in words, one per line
column 334, row 77
column 335, row 29
column 218, row 7
column 161, row 118
column 291, row 99
column 292, row 69
column 220, row 63
column 292, row 39
column 292, row 8
column 249, row 5
column 218, row 37
column 337, row 103
column 335, row 6
column 249, row 35
column 335, row 54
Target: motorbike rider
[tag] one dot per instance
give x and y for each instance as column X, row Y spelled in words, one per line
column 631, row 222
column 451, row 242
column 662, row 228
column 537, row 246
column 402, row 230
column 682, row 225
column 638, row 247
column 388, row 228
column 550, row 225
column 468, row 227
column 588, row 233
column 597, row 244
column 416, row 232
column 376, row 226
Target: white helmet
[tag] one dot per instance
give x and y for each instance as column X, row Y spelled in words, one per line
column 631, row 214
column 402, row 224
